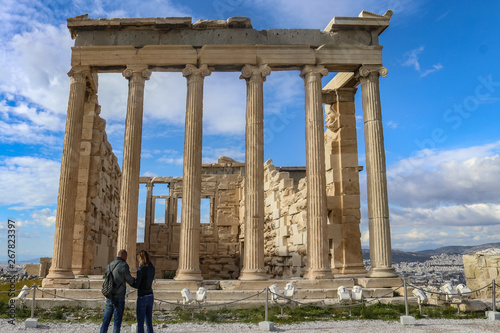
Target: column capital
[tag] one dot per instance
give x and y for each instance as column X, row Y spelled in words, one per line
column 255, row 73
column 317, row 70
column 366, row 70
column 82, row 70
column 141, row 72
column 192, row 70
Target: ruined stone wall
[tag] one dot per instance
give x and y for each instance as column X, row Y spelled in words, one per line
column 219, row 239
column 285, row 224
column 97, row 202
column 480, row 269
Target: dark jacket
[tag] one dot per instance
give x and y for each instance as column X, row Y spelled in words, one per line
column 144, row 281
column 121, row 274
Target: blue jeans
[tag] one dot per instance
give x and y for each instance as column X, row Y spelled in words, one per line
column 116, row 306
column 144, row 309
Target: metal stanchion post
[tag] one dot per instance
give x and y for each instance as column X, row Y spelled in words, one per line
column 407, row 319
column 493, row 314
column 32, row 322
column 493, row 297
column 33, row 302
column 266, row 325
column 406, row 297
column 267, row 302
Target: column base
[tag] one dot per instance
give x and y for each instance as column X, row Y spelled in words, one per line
column 188, row 275
column 318, row 274
column 361, row 270
column 386, row 272
column 60, row 273
column 253, row 275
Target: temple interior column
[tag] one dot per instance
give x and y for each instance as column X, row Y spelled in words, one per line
column 253, row 259
column 65, row 214
column 378, row 203
column 318, row 266
column 149, row 210
column 129, row 191
column 189, row 248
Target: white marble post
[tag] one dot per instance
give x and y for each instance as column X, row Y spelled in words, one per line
column 253, row 258
column 318, row 266
column 189, row 248
column 65, row 214
column 129, row 191
column 376, row 178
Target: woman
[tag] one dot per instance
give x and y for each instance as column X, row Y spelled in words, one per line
column 145, row 298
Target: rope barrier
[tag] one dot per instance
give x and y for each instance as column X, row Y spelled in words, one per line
column 445, row 294
column 190, row 306
column 337, row 306
column 278, row 296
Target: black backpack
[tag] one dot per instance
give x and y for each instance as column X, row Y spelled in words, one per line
column 108, row 289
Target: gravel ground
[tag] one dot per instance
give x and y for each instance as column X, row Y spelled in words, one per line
column 423, row 325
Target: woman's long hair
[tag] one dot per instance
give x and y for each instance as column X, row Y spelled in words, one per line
column 143, row 258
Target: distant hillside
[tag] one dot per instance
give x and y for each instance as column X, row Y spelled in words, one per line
column 421, row 256
column 459, row 249
column 401, row 256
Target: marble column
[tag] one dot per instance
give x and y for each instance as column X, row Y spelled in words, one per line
column 318, row 266
column 149, row 214
column 253, row 258
column 378, row 203
column 65, row 214
column 129, row 191
column 189, row 251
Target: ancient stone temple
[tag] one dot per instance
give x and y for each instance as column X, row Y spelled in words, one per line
column 265, row 221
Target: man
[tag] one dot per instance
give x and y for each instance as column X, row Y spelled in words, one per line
column 116, row 305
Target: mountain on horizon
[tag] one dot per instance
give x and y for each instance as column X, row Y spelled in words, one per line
column 399, row 256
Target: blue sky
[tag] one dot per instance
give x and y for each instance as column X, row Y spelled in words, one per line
column 440, row 104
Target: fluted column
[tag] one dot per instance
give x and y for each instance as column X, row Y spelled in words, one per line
column 129, row 191
column 149, row 215
column 376, row 178
column 253, row 258
column 318, row 266
column 65, row 214
column 189, row 248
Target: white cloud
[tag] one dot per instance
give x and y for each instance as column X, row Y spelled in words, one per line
column 435, row 68
column 210, row 154
column 392, row 124
column 45, row 217
column 435, row 178
column 455, row 215
column 35, row 64
column 412, row 56
column 28, row 182
column 413, row 61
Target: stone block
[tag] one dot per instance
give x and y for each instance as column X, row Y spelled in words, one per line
column 330, row 177
column 285, row 183
column 408, row 320
column 266, row 326
column 31, row 323
column 493, row 315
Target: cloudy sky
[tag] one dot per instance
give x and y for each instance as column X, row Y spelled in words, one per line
column 440, row 103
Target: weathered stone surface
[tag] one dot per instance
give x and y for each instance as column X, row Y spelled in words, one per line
column 480, row 270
